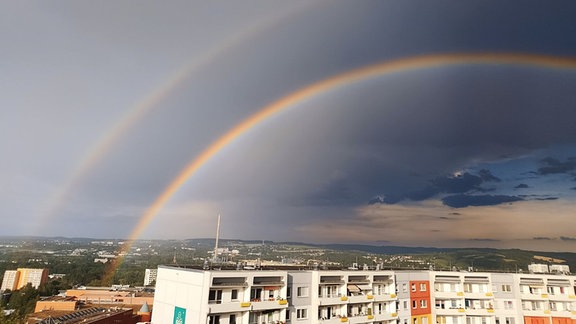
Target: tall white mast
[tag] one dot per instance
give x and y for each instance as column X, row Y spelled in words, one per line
column 215, row 259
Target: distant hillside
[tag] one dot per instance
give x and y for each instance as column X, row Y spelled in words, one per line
column 478, row 258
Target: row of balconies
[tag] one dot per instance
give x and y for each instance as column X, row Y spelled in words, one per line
column 359, row 318
column 238, row 306
column 355, row 299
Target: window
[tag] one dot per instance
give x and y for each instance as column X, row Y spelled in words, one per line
column 302, row 292
column 423, row 303
column 506, row 288
column 234, row 294
column 214, row 319
column 422, row 287
column 405, row 304
column 553, row 306
column 301, row 313
column 215, row 296
column 404, row 287
column 413, row 287
column 256, row 294
column 509, row 320
column 508, row 304
column 550, row 290
column 289, row 292
column 414, row 305
column 232, row 319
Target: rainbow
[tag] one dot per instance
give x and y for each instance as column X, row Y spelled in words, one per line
column 152, row 101
column 332, row 83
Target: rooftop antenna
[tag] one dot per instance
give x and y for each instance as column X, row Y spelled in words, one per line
column 215, row 258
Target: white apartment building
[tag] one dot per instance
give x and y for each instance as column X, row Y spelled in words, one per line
column 10, row 280
column 188, row 296
column 342, row 296
column 16, row 279
column 150, row 276
column 352, row 296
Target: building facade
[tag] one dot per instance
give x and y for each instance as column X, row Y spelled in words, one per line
column 16, row 279
column 150, row 276
column 352, row 296
column 224, row 297
column 10, row 280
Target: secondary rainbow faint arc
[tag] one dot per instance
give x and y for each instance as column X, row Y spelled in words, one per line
column 144, row 106
column 351, row 76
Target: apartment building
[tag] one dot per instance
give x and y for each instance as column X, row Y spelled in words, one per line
column 342, row 296
column 10, row 280
column 220, row 297
column 359, row 296
column 150, row 276
column 16, row 279
column 414, row 298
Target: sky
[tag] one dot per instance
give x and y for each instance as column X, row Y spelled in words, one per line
column 104, row 104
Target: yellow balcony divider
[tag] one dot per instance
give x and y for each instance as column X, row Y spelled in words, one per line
column 370, row 316
column 245, row 304
column 461, row 310
column 282, row 302
column 459, row 293
column 544, row 295
column 546, row 311
column 572, row 296
column 344, row 319
column 392, row 295
column 489, row 294
column 490, row 310
column 369, row 296
column 343, row 298
column 394, row 314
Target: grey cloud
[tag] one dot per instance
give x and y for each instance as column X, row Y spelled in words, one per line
column 461, row 201
column 522, row 186
column 566, row 238
column 541, row 238
column 554, row 166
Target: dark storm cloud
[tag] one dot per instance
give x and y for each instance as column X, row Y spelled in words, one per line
column 541, row 238
column 461, row 184
column 522, row 186
column 551, row 165
column 566, row 238
column 461, row 201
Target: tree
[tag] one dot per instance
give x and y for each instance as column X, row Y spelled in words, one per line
column 23, row 301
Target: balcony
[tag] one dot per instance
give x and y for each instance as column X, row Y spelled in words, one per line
column 359, row 298
column 271, row 303
column 479, row 311
column 229, row 307
column 449, row 311
column 333, row 300
column 333, row 320
column 561, row 297
column 384, row 297
column 448, row 294
column 384, row 317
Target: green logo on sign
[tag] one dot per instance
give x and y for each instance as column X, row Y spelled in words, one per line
column 179, row 315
